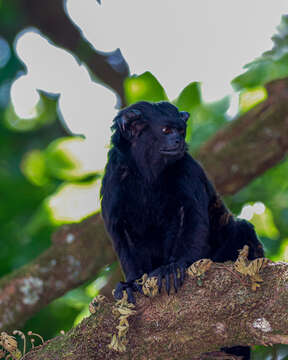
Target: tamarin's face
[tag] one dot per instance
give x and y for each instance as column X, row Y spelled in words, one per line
column 154, row 131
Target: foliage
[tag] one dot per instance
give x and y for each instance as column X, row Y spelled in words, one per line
column 143, row 87
column 271, row 65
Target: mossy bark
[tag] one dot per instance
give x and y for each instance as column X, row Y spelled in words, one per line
column 78, row 252
column 221, row 310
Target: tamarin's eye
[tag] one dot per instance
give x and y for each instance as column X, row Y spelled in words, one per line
column 166, row 130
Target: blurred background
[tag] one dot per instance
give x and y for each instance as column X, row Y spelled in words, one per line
column 65, row 69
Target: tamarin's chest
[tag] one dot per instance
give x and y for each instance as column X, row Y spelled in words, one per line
column 153, row 204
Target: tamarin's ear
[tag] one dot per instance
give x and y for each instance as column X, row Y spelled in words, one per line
column 184, row 115
column 128, row 122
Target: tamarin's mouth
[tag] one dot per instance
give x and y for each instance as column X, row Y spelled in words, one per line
column 172, row 151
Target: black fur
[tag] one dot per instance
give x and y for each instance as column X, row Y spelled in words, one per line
column 158, row 205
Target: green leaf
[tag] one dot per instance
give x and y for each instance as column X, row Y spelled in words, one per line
column 44, row 113
column 34, row 168
column 207, row 118
column 219, row 108
column 265, row 225
column 190, row 97
column 261, row 73
column 144, row 87
column 250, row 98
column 253, row 77
column 189, row 100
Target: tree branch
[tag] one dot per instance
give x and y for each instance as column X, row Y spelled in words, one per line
column 78, row 252
column 221, row 310
column 249, row 145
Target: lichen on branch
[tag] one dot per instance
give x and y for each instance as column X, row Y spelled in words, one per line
column 220, row 310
